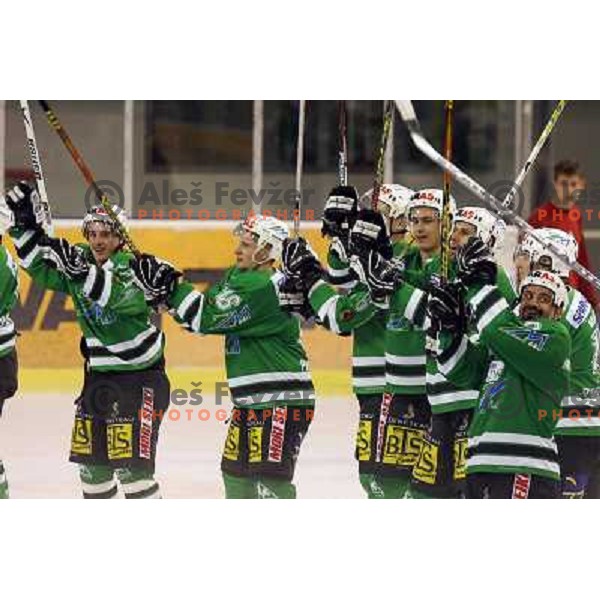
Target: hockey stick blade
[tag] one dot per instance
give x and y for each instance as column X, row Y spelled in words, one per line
column 407, row 112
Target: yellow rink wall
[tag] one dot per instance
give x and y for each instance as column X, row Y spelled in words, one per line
column 49, row 334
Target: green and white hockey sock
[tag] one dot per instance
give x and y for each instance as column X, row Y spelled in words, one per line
column 3, row 483
column 97, row 482
column 238, row 488
column 275, row 489
column 138, row 483
column 379, row 487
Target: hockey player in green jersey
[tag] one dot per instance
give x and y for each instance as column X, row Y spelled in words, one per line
column 267, row 367
column 578, row 424
column 406, row 413
column 439, row 470
column 9, row 290
column 521, row 364
column 356, row 313
column 125, row 386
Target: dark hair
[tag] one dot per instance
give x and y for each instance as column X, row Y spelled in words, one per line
column 567, row 167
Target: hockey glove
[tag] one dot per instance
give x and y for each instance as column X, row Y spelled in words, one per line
column 22, row 201
column 65, row 257
column 380, row 275
column 292, row 298
column 340, row 211
column 446, row 308
column 369, row 233
column 475, row 263
column 300, row 263
column 155, row 277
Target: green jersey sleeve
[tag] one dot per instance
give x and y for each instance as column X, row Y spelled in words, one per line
column 31, row 260
column 341, row 313
column 9, row 282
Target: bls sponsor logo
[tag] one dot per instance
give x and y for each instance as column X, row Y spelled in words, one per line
column 402, row 445
column 255, row 444
column 521, row 485
column 427, row 466
column 277, row 434
column 232, row 443
column 81, row 437
column 363, row 440
column 119, row 438
column 460, row 459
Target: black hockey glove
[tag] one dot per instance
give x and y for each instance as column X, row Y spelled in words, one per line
column 155, row 277
column 340, row 211
column 22, row 201
column 65, row 258
column 369, row 233
column 380, row 275
column 475, row 264
column 293, row 299
column 300, row 263
column 446, row 308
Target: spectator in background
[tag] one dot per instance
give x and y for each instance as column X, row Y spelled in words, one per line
column 562, row 213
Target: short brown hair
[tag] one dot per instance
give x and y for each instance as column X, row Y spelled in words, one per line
column 567, row 167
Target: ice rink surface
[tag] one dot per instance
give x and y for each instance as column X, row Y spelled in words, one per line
column 35, row 432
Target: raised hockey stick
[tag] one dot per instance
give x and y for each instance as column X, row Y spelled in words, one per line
column 446, row 224
column 558, row 109
column 408, row 115
column 36, row 164
column 343, row 143
column 87, row 175
column 388, row 115
column 299, row 165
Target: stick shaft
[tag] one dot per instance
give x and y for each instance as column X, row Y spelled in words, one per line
column 87, row 174
column 299, row 166
column 343, row 143
column 388, row 115
column 409, row 117
column 36, row 163
column 554, row 117
column 446, row 217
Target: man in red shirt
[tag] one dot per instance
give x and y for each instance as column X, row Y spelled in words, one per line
column 562, row 213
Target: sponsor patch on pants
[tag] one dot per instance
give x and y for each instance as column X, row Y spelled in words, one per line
column 81, row 437
column 146, row 423
column 521, row 485
column 277, row 434
column 363, row 440
column 119, row 438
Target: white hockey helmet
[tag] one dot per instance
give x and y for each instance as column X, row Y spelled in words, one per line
column 98, row 214
column 430, row 198
column 544, row 257
column 266, row 231
column 392, row 195
column 549, row 280
column 489, row 228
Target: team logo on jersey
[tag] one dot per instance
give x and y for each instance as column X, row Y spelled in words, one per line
column 495, row 371
column 235, row 319
column 534, row 339
column 490, row 394
column 227, row 299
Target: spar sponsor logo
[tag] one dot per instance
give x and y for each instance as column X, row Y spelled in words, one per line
column 147, row 413
column 277, row 434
